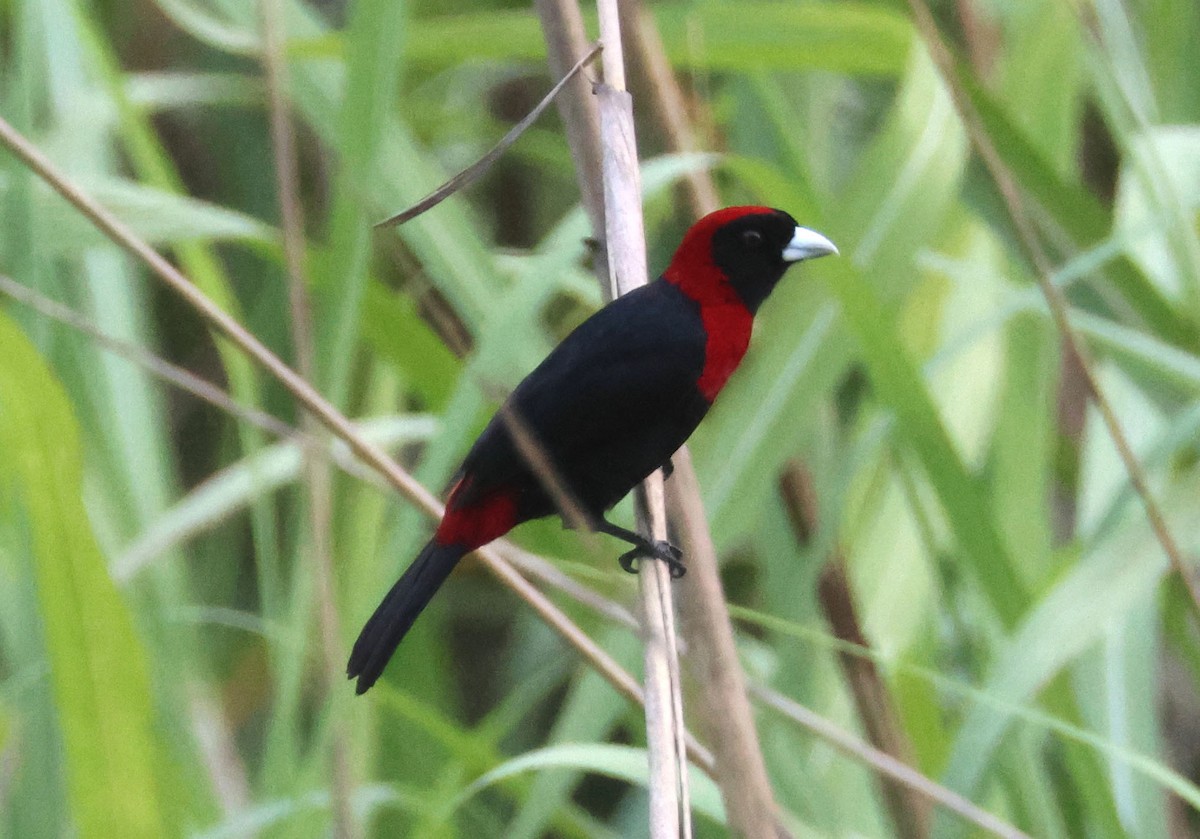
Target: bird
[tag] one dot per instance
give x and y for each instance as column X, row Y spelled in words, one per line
column 608, row 406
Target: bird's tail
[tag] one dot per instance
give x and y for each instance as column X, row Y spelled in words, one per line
column 395, row 615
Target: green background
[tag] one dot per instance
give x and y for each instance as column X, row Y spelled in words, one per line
column 160, row 659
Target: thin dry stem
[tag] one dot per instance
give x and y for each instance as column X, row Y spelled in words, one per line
column 183, row 379
column 885, row 764
column 669, row 104
column 534, row 565
column 724, row 703
column 670, row 811
column 528, row 446
column 713, row 660
column 330, row 417
column 544, row 469
column 477, row 169
column 662, row 676
column 318, row 476
column 540, row 568
column 1027, row 234
column 745, row 786
column 566, row 41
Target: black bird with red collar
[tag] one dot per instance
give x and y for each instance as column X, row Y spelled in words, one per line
column 607, row 407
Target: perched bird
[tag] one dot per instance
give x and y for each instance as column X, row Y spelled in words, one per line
column 607, row 407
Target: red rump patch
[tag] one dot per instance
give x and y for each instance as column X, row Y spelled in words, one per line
column 486, row 519
column 726, row 320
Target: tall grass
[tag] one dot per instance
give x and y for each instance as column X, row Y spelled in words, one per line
column 160, row 662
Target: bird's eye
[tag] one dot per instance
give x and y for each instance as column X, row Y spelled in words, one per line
column 752, row 238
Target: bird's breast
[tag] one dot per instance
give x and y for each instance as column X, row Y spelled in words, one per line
column 727, row 328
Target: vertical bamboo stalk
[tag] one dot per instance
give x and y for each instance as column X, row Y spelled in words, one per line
column 626, row 245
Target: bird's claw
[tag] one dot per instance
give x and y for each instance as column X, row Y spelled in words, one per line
column 660, row 550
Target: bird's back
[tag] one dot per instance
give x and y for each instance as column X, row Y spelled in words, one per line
column 608, row 406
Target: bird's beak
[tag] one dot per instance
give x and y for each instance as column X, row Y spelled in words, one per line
column 807, row 244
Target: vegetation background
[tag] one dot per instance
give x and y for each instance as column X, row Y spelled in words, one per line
column 164, row 630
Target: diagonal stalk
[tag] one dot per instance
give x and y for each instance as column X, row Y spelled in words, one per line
column 329, row 416
column 1027, row 235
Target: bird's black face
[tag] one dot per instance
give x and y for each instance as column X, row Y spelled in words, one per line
column 755, row 250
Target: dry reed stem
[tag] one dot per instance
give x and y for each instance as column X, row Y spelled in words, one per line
column 337, row 423
column 724, row 702
column 713, row 660
column 318, row 475
column 175, row 375
column 887, row 765
column 566, row 40
column 477, row 169
column 670, row 810
column 743, row 780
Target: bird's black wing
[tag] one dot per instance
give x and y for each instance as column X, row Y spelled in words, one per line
column 612, row 402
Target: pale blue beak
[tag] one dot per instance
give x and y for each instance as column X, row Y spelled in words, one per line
column 807, row 244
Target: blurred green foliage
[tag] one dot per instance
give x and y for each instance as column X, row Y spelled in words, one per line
column 160, row 664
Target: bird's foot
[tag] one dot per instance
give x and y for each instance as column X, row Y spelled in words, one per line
column 660, row 550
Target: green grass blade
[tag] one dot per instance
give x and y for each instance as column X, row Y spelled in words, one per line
column 97, row 667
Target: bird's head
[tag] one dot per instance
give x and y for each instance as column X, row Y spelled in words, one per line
column 742, row 251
